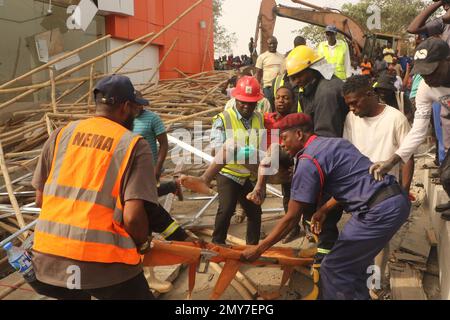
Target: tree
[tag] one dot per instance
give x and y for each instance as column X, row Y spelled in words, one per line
column 395, row 17
column 223, row 39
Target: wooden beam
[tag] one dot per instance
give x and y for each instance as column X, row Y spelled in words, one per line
column 10, row 190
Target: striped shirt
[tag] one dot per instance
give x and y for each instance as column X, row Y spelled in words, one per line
column 149, row 125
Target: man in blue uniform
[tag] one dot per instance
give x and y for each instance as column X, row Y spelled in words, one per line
column 334, row 167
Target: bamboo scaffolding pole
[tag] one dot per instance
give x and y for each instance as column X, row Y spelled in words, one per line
column 10, row 190
column 12, row 155
column 69, row 81
column 91, row 86
column 24, row 165
column 180, row 72
column 20, row 135
column 160, row 64
column 68, row 116
column 159, row 34
column 70, row 91
column 211, row 91
column 207, row 44
column 77, row 68
column 53, row 92
column 71, row 109
column 19, row 130
column 50, row 63
column 184, row 118
column 83, row 97
column 49, row 125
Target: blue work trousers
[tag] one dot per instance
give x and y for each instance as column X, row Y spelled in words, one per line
column 345, row 270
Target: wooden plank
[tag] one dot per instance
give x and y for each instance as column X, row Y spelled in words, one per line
column 10, row 283
column 25, row 292
column 431, row 236
column 407, row 284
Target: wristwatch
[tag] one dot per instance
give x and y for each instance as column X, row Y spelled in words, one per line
column 144, row 248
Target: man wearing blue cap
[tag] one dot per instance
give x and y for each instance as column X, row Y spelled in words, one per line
column 336, row 52
column 96, row 195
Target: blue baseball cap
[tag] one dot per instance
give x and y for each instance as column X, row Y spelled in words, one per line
column 331, row 28
column 118, row 89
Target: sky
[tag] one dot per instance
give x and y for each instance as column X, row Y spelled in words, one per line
column 240, row 16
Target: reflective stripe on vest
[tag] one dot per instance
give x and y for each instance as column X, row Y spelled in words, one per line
column 338, row 58
column 82, row 212
column 231, row 122
column 323, row 251
column 170, row 230
column 279, row 82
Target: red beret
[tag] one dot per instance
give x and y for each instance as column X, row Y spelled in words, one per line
column 293, row 120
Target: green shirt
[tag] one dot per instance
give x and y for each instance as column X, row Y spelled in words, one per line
column 149, row 125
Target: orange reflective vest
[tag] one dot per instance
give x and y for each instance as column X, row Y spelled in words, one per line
column 81, row 216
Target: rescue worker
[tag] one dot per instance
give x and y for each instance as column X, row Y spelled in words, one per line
column 335, row 167
column 235, row 181
column 150, row 126
column 282, row 80
column 336, row 52
column 322, row 100
column 98, row 203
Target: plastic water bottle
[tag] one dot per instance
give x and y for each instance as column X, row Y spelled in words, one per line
column 21, row 261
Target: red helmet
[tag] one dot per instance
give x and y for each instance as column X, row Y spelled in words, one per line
column 248, row 90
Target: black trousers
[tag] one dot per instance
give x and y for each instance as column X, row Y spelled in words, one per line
column 159, row 219
column 444, row 173
column 134, row 289
column 166, row 188
column 230, row 193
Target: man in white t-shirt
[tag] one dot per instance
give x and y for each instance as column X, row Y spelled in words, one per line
column 430, row 61
column 377, row 130
column 268, row 66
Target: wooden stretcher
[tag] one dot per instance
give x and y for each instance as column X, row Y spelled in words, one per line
column 197, row 254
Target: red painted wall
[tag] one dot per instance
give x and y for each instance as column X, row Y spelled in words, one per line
column 153, row 15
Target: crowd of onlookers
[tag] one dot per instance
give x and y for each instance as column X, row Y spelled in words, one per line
column 232, row 62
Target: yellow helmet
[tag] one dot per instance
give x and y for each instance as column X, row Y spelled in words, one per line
column 301, row 58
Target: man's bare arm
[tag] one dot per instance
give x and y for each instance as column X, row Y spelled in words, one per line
column 418, row 24
column 38, row 200
column 407, row 174
column 259, row 74
column 162, row 153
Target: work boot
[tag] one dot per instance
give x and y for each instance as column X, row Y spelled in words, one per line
column 239, row 215
column 156, row 284
column 292, row 235
column 443, row 207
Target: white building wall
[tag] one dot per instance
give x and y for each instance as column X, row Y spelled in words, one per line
column 148, row 58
